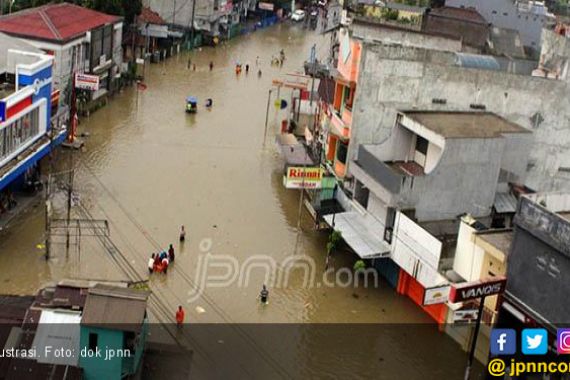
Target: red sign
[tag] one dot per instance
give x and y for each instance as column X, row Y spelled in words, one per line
column 477, row 289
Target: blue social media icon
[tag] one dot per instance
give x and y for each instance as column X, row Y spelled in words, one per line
column 503, row 342
column 534, row 342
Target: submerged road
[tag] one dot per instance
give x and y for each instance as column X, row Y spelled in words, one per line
column 149, row 167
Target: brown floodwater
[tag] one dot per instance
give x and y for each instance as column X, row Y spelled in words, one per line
column 148, row 167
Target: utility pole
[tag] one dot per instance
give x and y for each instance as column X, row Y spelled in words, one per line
column 192, row 23
column 313, row 61
column 174, row 13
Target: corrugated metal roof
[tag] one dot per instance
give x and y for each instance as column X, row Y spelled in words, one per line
column 54, row 22
column 477, row 61
column 115, row 308
column 59, row 330
column 505, row 203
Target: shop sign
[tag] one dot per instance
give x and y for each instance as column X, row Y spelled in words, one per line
column 477, row 289
column 436, row 295
column 87, row 82
column 299, row 177
column 465, row 316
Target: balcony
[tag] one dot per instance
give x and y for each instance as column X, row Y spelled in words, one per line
column 341, row 123
column 381, row 172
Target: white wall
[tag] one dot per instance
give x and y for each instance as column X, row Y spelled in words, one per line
column 433, row 155
column 468, row 256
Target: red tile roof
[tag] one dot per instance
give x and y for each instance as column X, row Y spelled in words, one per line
column 465, row 14
column 150, row 16
column 54, row 22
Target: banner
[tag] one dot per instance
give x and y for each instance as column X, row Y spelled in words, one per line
column 298, row 177
column 87, row 82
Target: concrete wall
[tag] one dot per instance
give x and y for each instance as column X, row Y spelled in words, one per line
column 391, row 34
column 473, row 33
column 464, row 181
column 555, row 54
column 397, row 77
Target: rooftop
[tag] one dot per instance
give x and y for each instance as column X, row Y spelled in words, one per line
column 463, row 14
column 54, row 22
column 115, row 308
column 465, row 124
column 150, row 16
column 500, row 240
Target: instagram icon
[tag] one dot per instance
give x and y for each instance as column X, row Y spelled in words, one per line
column 563, row 341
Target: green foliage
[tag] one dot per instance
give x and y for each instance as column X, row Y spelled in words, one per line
column 334, row 238
column 390, row 14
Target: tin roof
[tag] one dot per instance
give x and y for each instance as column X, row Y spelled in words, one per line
column 150, row 16
column 463, row 14
column 54, row 22
column 115, row 308
column 505, row 203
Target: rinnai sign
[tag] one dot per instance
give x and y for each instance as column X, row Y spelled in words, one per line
column 87, row 82
column 477, row 289
column 303, row 177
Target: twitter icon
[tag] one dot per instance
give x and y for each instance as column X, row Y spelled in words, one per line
column 534, row 342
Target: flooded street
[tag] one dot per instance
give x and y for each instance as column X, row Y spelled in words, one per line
column 148, row 167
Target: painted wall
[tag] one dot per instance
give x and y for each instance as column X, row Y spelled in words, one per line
column 97, row 367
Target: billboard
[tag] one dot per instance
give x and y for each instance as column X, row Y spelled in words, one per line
column 299, row 177
column 87, row 82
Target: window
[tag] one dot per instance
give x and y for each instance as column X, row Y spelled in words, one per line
column 341, row 151
column 494, row 12
column 421, row 145
column 19, row 133
column 93, row 340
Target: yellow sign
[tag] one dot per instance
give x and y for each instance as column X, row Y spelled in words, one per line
column 298, row 177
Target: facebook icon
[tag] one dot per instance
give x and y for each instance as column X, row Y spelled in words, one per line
column 503, row 342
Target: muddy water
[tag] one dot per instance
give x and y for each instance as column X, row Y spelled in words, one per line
column 152, row 168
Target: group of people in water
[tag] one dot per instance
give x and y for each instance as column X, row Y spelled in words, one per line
column 159, row 262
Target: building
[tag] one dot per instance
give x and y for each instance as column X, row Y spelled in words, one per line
column 527, row 17
column 337, row 116
column 80, row 40
column 75, row 316
column 406, row 76
column 410, row 190
column 113, row 319
column 463, row 23
column 212, row 19
column 26, row 133
column 538, row 262
column 393, row 11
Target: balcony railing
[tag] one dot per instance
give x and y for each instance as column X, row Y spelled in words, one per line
column 379, row 171
column 339, row 124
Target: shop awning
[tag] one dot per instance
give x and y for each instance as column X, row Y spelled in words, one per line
column 363, row 233
column 293, row 151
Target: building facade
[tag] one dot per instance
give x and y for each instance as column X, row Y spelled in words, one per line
column 26, row 134
column 527, row 17
column 80, row 40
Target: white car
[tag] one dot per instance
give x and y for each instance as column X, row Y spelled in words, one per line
column 298, row 15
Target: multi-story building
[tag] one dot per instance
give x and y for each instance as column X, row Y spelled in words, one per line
column 26, row 134
column 433, row 167
column 528, row 17
column 212, row 18
column 80, row 40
